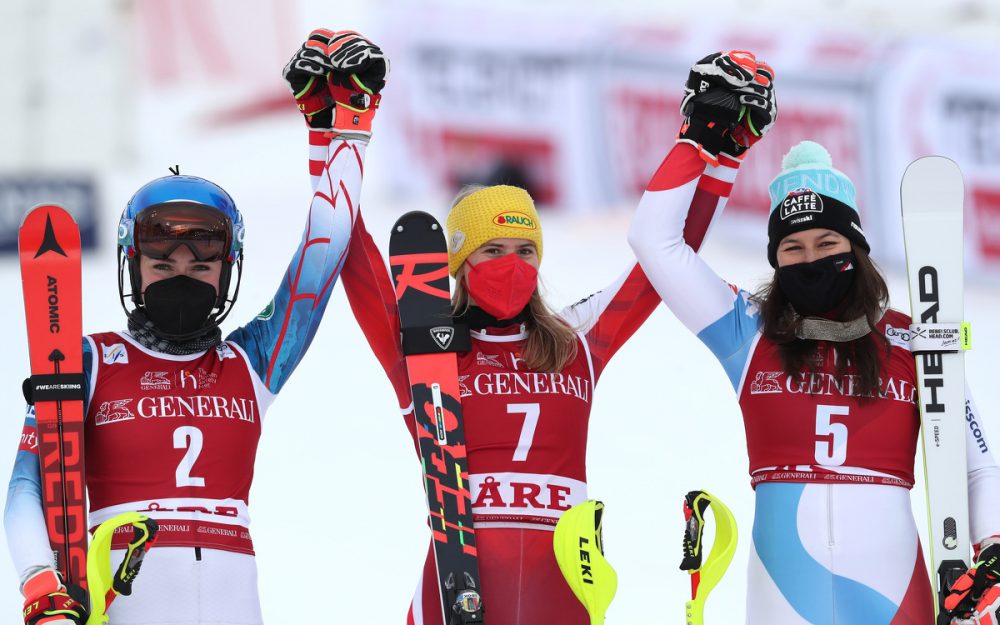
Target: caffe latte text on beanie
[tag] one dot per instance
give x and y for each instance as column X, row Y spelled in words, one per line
column 810, row 193
column 497, row 212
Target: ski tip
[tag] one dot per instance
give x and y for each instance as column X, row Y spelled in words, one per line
column 930, row 182
column 46, row 209
column 932, row 163
column 416, row 219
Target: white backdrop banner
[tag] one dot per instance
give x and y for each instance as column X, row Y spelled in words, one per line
column 583, row 119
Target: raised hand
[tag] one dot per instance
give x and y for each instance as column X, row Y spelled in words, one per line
column 728, row 104
column 306, row 74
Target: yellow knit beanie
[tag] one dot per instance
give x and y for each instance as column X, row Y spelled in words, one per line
column 498, row 212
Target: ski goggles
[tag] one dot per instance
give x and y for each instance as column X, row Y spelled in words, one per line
column 162, row 228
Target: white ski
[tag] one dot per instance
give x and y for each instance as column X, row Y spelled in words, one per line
column 932, row 200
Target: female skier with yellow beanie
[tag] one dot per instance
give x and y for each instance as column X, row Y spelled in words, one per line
column 526, row 386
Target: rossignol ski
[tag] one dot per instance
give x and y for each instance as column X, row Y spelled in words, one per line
column 932, row 201
column 49, row 247
column 418, row 257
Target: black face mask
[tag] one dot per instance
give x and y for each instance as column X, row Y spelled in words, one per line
column 818, row 287
column 179, row 306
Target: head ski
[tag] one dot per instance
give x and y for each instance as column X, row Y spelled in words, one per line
column 932, row 194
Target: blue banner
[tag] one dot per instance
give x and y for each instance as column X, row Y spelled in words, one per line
column 20, row 192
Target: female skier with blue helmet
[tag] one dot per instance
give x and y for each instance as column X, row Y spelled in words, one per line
column 171, row 396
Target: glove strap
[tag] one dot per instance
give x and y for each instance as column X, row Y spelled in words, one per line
column 313, row 98
column 354, row 109
column 52, row 604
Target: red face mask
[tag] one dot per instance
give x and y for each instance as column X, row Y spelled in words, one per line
column 502, row 286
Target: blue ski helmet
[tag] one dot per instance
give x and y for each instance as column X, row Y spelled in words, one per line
column 181, row 210
column 191, row 190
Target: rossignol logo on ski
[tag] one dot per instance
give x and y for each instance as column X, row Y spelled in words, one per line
column 443, row 335
column 927, row 279
column 801, row 201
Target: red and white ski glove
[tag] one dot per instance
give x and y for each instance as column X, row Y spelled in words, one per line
column 975, row 596
column 306, row 74
column 728, row 104
column 356, row 81
column 336, row 78
column 47, row 602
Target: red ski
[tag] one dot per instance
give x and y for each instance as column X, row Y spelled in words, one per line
column 49, row 246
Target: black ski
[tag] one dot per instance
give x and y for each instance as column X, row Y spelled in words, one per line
column 418, row 257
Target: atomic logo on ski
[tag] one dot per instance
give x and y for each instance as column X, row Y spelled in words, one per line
column 49, row 243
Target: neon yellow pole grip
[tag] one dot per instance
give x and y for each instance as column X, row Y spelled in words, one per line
column 579, row 552
column 99, row 576
column 721, row 554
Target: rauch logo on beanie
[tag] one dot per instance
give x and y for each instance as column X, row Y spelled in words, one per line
column 514, row 219
column 799, row 202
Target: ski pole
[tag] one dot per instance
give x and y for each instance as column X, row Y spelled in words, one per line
column 579, row 550
column 705, row 576
column 103, row 587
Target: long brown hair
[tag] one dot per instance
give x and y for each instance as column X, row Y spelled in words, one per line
column 551, row 342
column 867, row 297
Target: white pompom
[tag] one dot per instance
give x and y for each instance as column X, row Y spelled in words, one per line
column 807, row 154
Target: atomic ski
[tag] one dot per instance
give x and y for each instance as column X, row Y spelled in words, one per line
column 418, row 257
column 49, row 246
column 932, row 201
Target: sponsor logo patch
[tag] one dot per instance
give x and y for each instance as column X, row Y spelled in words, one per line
column 155, row 380
column 29, row 440
column 766, row 382
column 489, row 360
column 114, row 354
column 898, row 337
column 463, row 389
column 267, row 313
column 224, row 351
column 114, row 411
column 457, row 241
column 586, row 299
column 800, row 202
column 197, row 379
column 515, row 219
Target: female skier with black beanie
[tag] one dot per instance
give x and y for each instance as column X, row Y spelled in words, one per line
column 826, row 384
